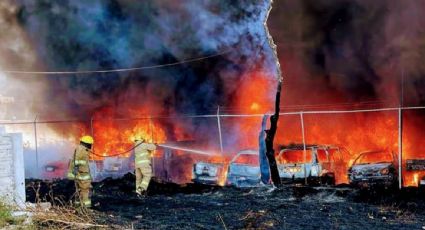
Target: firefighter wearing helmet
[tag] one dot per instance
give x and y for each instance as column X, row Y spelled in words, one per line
column 79, row 171
column 143, row 152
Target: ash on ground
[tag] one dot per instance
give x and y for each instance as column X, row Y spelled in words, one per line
column 172, row 206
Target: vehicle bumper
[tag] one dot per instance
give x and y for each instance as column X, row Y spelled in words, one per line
column 373, row 181
column 208, row 180
column 243, row 181
column 310, row 180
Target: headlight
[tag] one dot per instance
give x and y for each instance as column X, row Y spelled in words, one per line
column 293, row 169
column 50, row 168
column 385, row 171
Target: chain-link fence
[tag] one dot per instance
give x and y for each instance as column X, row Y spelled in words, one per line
column 184, row 140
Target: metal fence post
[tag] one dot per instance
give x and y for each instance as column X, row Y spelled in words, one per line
column 151, row 126
column 304, row 145
column 219, row 129
column 92, row 130
column 400, row 148
column 36, row 146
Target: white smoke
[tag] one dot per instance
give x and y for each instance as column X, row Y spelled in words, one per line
column 16, row 53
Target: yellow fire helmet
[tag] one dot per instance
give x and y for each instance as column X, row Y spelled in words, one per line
column 87, row 139
column 139, row 138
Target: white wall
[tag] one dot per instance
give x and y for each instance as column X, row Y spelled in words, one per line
column 12, row 173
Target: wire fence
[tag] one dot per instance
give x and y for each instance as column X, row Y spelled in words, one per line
column 51, row 142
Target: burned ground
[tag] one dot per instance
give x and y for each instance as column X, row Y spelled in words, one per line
column 170, row 206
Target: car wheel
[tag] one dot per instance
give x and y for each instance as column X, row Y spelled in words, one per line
column 328, row 179
column 394, row 179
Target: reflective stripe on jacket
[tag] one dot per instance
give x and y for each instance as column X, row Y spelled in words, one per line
column 81, row 162
column 83, row 177
column 70, row 176
column 143, row 161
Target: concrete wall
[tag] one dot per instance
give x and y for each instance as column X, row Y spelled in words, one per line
column 12, row 173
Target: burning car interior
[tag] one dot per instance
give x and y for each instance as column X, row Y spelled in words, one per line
column 216, row 114
column 311, row 163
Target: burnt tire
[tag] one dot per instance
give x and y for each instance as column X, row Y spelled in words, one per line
column 328, row 179
column 394, row 185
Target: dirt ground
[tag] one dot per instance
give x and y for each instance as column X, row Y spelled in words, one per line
column 170, row 206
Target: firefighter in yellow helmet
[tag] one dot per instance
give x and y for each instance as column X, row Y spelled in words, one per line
column 143, row 164
column 79, row 171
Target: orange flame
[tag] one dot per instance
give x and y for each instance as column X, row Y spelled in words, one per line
column 113, row 137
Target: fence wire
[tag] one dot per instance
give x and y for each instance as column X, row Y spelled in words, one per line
column 225, row 133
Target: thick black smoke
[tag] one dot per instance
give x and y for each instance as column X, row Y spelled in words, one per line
column 358, row 49
column 79, row 35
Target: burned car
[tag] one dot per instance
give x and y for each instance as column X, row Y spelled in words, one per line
column 417, row 167
column 54, row 170
column 374, row 168
column 244, row 169
column 207, row 173
column 316, row 164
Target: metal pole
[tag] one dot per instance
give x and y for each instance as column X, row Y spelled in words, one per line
column 400, row 148
column 304, row 145
column 219, row 129
column 151, row 128
column 91, row 126
column 36, row 146
column 92, row 130
column 153, row 156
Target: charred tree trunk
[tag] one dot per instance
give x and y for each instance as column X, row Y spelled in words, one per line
column 270, row 134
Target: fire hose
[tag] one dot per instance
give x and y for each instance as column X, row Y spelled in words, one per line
column 161, row 145
column 116, row 154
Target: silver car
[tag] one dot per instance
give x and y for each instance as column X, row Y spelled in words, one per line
column 374, row 168
column 207, row 173
column 244, row 169
column 318, row 164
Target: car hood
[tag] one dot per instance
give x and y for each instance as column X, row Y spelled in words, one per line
column 370, row 167
column 244, row 170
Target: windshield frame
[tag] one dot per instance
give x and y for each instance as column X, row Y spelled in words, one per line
column 374, row 152
column 250, row 152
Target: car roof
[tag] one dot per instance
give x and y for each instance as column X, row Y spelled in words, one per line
column 244, row 152
column 248, row 151
column 372, row 152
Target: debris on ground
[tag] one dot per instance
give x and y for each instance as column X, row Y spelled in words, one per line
column 203, row 207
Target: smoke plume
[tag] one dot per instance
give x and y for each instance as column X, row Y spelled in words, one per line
column 351, row 51
column 110, row 34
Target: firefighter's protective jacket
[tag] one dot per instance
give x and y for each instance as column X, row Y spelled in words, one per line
column 143, row 153
column 79, row 168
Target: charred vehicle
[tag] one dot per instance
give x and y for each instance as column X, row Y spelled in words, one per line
column 421, row 182
column 244, row 169
column 207, row 173
column 417, row 166
column 54, row 170
column 374, row 168
column 316, row 164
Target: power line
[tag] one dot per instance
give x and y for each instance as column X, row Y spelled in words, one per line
column 115, row 70
column 348, row 111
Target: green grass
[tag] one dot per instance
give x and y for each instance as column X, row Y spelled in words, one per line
column 6, row 217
